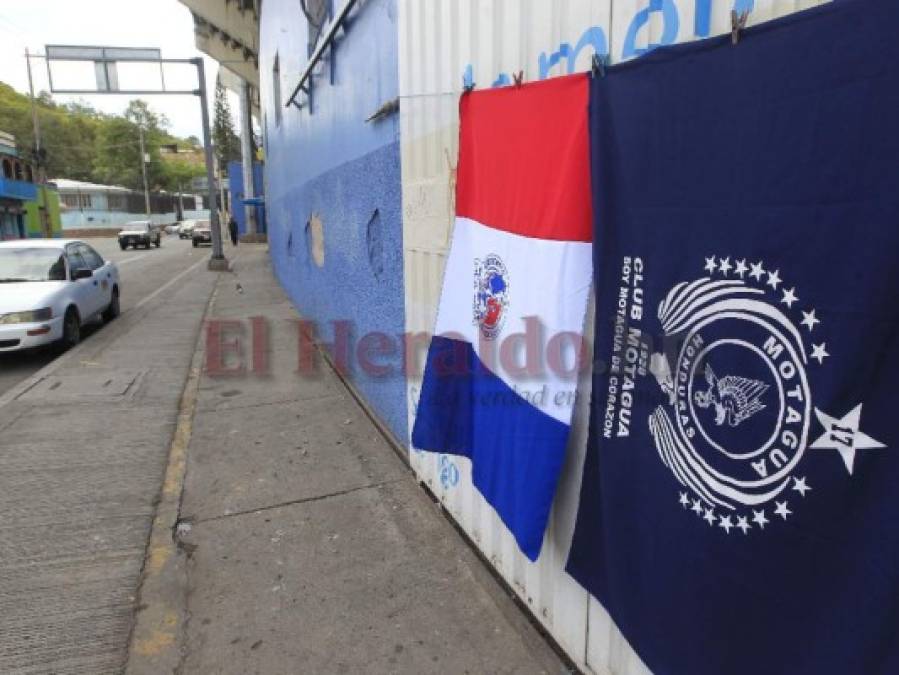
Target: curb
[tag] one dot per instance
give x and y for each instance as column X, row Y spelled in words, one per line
column 157, row 634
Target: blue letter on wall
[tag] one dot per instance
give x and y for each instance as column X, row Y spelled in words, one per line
column 669, row 34
column 595, row 37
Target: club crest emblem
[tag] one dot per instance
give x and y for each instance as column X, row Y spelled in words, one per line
column 736, row 417
column 491, row 295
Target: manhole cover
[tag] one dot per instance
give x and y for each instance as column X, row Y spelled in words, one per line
column 89, row 385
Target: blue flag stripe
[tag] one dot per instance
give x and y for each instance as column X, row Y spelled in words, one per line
column 516, row 450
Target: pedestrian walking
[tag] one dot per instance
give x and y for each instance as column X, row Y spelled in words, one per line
column 232, row 228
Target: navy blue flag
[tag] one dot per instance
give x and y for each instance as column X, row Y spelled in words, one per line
column 740, row 503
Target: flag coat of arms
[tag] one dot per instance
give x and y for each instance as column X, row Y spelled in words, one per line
column 739, row 510
column 500, row 375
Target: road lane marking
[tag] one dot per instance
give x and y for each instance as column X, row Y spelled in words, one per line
column 170, row 283
column 131, row 260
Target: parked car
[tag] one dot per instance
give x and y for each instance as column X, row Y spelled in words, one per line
column 202, row 233
column 185, row 230
column 49, row 288
column 140, row 233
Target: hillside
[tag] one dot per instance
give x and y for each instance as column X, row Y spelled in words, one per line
column 83, row 144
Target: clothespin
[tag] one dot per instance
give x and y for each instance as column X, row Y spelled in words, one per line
column 737, row 24
column 598, row 64
column 518, row 78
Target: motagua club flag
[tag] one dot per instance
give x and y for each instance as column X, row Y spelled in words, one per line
column 500, row 376
column 739, row 509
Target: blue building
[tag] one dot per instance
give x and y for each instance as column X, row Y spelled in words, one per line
column 334, row 192
column 17, row 188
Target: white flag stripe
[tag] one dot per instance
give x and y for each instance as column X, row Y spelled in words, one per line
column 546, row 279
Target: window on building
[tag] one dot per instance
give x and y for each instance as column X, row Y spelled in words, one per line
column 116, row 202
column 19, row 174
column 7, row 168
column 276, row 88
column 86, row 201
column 71, row 201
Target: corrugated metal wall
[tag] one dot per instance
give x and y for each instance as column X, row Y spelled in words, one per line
column 440, row 43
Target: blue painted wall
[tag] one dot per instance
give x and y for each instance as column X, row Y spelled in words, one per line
column 325, row 164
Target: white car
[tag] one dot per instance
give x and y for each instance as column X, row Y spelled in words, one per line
column 186, row 229
column 140, row 233
column 49, row 288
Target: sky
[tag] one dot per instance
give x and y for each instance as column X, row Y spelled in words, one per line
column 165, row 24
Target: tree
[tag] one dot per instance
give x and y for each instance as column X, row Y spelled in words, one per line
column 80, row 143
column 226, row 142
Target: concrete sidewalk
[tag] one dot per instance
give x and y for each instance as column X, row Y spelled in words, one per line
column 309, row 546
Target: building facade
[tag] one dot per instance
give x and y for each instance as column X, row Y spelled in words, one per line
column 28, row 208
column 360, row 117
column 89, row 206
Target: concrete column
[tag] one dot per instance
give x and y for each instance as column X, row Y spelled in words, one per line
column 246, row 152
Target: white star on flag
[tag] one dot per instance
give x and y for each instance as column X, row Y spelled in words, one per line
column 844, row 436
column 818, row 352
column 709, row 516
column 725, row 523
column 757, row 271
column 800, row 485
column 758, row 517
column 774, row 279
column 684, row 500
column 741, row 268
column 725, row 266
column 697, row 507
column 743, row 524
column 809, row 319
column 789, row 297
column 782, row 509
column 710, row 265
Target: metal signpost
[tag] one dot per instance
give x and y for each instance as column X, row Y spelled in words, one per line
column 105, row 60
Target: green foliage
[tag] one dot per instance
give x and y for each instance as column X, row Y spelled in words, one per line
column 225, row 141
column 81, row 143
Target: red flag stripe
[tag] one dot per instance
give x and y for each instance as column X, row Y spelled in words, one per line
column 524, row 159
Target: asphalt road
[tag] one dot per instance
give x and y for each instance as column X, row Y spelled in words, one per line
column 83, row 454
column 142, row 272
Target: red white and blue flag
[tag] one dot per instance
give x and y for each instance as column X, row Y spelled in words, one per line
column 500, row 376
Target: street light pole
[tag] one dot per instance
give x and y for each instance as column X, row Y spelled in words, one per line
column 143, row 168
column 217, row 262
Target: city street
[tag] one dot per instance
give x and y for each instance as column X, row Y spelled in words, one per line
column 143, row 272
column 85, row 443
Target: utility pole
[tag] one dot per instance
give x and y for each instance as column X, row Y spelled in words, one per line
column 218, row 261
column 44, row 223
column 143, row 167
column 34, row 120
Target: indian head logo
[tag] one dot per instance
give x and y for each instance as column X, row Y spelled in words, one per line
column 738, row 417
column 491, row 295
